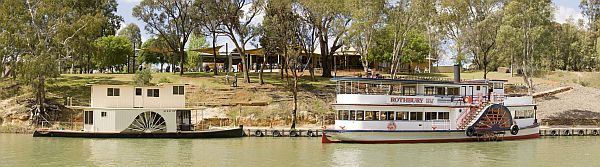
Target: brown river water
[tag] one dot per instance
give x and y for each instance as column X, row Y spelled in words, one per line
column 24, row 150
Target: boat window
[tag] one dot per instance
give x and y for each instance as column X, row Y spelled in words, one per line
column 498, row 85
column 415, row 116
column 371, row 115
column 360, row 115
column 153, row 93
column 454, row 91
column 138, row 91
column 444, row 115
column 430, row 90
column 88, row 117
column 387, row 115
column 478, row 88
column 431, row 116
column 113, row 92
column 409, row 90
column 401, row 115
column 352, row 115
column 343, row 115
column 524, row 114
column 103, row 114
column 440, row 90
column 178, row 90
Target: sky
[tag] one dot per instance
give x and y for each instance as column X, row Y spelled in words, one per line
column 564, row 9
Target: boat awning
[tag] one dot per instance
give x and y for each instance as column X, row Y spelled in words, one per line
column 104, row 108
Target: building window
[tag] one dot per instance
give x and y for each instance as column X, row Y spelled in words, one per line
column 153, row 93
column 478, row 87
column 453, row 91
column 409, row 90
column 113, row 92
column 498, row 85
column 138, row 91
column 103, row 114
column 178, row 90
column 430, row 91
column 88, row 117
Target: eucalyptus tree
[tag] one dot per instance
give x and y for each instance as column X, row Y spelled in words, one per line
column 112, row 52
column 149, row 57
column 195, row 59
column 402, row 18
column 173, row 20
column 238, row 25
column 330, row 20
column 211, row 23
column 132, row 33
column 366, row 19
column 527, row 23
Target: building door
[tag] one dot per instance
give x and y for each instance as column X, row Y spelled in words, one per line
column 138, row 99
column 184, row 121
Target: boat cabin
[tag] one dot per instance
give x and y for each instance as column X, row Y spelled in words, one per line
column 127, row 108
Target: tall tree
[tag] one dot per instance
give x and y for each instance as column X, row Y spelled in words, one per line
column 528, row 22
column 366, row 19
column 112, row 52
column 132, row 33
column 237, row 24
column 173, row 20
column 196, row 59
column 330, row 19
column 402, row 18
column 149, row 56
column 212, row 24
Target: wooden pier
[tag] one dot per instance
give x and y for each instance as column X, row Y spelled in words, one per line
column 570, row 131
column 283, row 132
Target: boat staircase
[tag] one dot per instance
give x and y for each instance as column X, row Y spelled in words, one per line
column 470, row 116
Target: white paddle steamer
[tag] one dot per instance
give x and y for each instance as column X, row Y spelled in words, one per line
column 424, row 111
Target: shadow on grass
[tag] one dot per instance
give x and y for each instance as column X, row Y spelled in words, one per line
column 77, row 87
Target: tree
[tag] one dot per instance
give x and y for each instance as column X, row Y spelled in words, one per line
column 195, row 59
column 173, row 20
column 211, row 23
column 402, row 18
column 528, row 22
column 154, row 51
column 132, row 33
column 366, row 17
column 237, row 24
column 330, row 20
column 112, row 52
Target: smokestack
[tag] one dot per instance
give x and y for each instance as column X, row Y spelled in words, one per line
column 457, row 73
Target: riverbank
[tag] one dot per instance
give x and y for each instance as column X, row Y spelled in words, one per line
column 269, row 104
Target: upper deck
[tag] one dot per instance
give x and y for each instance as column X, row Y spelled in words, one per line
column 129, row 96
column 368, row 91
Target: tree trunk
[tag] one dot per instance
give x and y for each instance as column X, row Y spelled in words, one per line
column 295, row 98
column 214, row 43
column 181, row 59
column 262, row 68
column 325, row 62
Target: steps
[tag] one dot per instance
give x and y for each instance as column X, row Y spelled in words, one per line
column 471, row 116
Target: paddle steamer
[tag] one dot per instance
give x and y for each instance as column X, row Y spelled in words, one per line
column 126, row 111
column 422, row 111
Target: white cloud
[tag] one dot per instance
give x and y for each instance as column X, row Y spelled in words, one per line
column 564, row 13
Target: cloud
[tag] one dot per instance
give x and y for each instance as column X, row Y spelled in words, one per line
column 564, row 13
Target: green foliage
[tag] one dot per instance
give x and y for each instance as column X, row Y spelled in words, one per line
column 142, row 78
column 164, row 80
column 194, row 59
column 112, row 51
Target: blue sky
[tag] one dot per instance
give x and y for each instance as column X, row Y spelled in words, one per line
column 564, row 10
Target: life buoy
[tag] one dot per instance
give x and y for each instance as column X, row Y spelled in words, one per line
column 595, row 132
column 276, row 133
column 391, row 126
column 553, row 133
column 310, row 133
column 470, row 131
column 258, row 133
column 581, row 133
column 293, row 133
column 514, row 129
column 468, row 99
column 567, row 133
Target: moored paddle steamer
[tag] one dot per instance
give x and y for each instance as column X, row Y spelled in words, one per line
column 424, row 111
column 125, row 111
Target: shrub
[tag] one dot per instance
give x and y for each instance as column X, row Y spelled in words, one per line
column 164, row 80
column 143, row 78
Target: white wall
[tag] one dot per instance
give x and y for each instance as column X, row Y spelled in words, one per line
column 119, row 120
column 166, row 99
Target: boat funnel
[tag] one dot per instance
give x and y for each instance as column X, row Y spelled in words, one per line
column 457, row 73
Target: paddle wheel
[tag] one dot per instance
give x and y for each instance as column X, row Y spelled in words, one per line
column 492, row 123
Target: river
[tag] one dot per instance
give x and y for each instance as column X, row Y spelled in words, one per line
column 24, row 150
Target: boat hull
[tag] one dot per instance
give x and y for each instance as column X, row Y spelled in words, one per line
column 439, row 136
column 225, row 133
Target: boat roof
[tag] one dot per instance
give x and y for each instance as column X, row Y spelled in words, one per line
column 411, row 81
